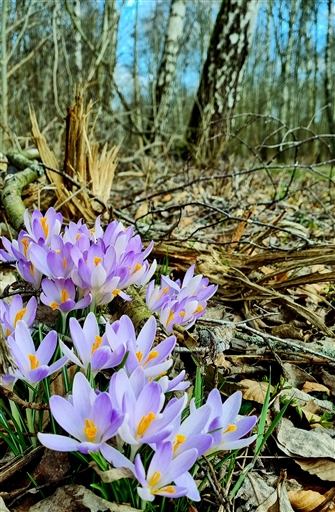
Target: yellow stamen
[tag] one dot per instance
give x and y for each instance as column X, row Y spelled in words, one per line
column 64, row 296
column 182, row 313
column 180, row 439
column 199, row 308
column 34, row 363
column 145, row 423
column 168, row 489
column 64, row 262
column 96, row 345
column 45, row 227
column 19, row 315
column 90, row 430
column 31, row 269
column 54, row 305
column 57, row 251
column 154, row 479
column 230, row 428
column 137, row 267
column 171, row 317
column 7, row 333
column 152, row 355
column 92, row 231
column 25, row 243
column 77, row 236
column 97, row 260
column 139, row 356
column 116, row 292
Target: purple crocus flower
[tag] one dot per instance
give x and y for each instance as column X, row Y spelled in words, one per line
column 61, row 294
column 144, row 420
column 11, row 313
column 91, row 348
column 225, row 426
column 189, row 433
column 32, row 364
column 88, row 417
column 54, row 261
column 163, row 471
column 41, row 228
column 154, row 360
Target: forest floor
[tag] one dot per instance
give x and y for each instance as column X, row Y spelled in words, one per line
column 267, row 239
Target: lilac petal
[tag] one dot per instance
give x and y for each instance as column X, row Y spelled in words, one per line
column 243, row 427
column 51, row 290
column 81, row 393
column 38, row 374
column 187, row 481
column 20, row 358
column 147, row 335
column 102, row 411
column 179, row 466
column 148, row 401
column 79, row 339
column 236, row 445
column 70, row 354
column 202, row 442
column 57, row 365
column 100, row 358
column 116, row 458
column 145, row 494
column 47, row 348
column 178, row 491
column 58, row 443
column 23, row 338
column 66, row 415
column 139, row 470
column 196, row 421
column 84, row 302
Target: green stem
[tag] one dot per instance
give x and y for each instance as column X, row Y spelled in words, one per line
column 30, row 419
column 143, row 504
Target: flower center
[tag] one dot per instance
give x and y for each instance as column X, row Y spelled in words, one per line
column 145, row 423
column 64, row 296
column 137, row 267
column 45, row 227
column 116, row 292
column 90, row 430
column 180, row 439
column 170, row 318
column 19, row 315
column 54, row 305
column 96, row 344
column 155, row 478
column 25, row 243
column 230, row 428
column 198, row 310
column 34, row 363
column 97, row 260
column 152, row 355
column 169, row 489
column 139, row 356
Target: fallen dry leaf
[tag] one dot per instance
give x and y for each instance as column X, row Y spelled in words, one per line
column 323, row 468
column 310, row 387
column 306, row 501
column 305, row 443
column 253, row 390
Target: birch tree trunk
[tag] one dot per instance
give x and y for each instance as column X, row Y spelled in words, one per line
column 221, row 78
column 168, row 66
column 4, row 63
column 78, row 46
column 328, row 79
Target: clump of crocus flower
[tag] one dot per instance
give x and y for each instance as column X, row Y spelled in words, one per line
column 135, row 416
column 177, row 302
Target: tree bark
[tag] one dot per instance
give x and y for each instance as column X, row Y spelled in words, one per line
column 168, row 66
column 221, row 77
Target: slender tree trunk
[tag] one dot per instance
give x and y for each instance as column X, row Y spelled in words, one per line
column 168, row 66
column 78, row 54
column 4, row 64
column 327, row 79
column 221, row 77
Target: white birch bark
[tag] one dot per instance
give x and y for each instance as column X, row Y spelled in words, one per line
column 168, row 66
column 221, row 77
